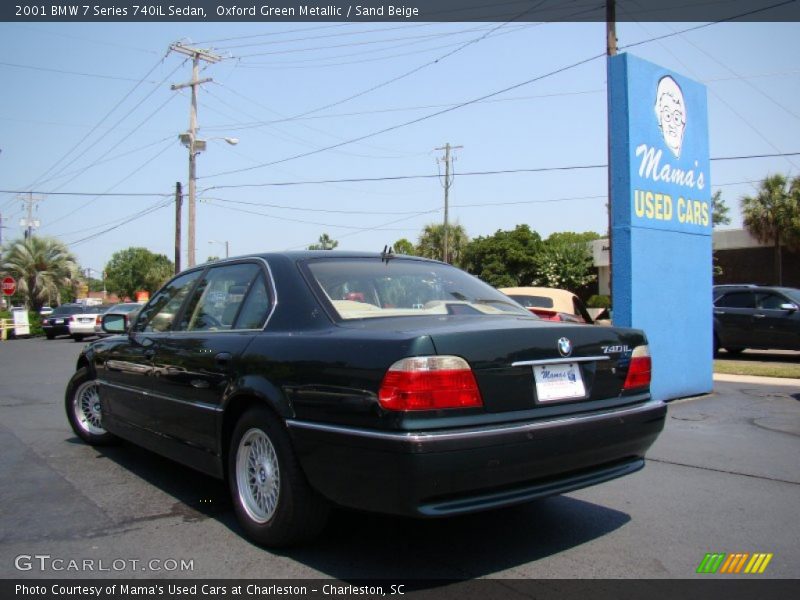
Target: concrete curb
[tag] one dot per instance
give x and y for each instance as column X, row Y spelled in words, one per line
column 780, row 381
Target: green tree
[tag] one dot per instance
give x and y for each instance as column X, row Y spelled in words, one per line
column 325, row 243
column 41, row 265
column 505, row 259
column 719, row 210
column 564, row 261
column 772, row 216
column 719, row 216
column 136, row 269
column 431, row 242
column 403, row 246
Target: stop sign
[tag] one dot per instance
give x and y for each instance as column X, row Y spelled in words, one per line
column 9, row 286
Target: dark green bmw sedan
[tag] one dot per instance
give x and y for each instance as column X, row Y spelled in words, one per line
column 373, row 381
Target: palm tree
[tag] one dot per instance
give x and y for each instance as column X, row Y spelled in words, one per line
column 772, row 216
column 326, row 242
column 431, row 242
column 41, row 265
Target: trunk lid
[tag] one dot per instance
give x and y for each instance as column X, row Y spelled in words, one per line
column 508, row 354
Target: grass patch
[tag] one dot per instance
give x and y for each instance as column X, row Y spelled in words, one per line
column 744, row 367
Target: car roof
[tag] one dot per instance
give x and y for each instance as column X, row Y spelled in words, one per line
column 754, row 287
column 308, row 254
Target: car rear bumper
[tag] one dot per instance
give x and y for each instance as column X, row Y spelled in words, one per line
column 459, row 471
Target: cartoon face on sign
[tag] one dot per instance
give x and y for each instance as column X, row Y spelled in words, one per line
column 671, row 113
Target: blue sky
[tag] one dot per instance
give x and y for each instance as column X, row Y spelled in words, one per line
column 87, row 108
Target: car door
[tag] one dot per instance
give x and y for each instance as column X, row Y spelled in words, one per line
column 128, row 372
column 195, row 362
column 773, row 326
column 734, row 313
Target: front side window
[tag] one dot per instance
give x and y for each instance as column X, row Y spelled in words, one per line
column 360, row 288
column 160, row 312
column 217, row 298
column 772, row 301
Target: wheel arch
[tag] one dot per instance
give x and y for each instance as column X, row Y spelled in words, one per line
column 249, row 393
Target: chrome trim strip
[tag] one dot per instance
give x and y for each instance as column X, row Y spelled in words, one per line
column 559, row 361
column 142, row 392
column 436, row 436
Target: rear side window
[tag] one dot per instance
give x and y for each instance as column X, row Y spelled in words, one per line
column 256, row 306
column 737, row 300
column 218, row 297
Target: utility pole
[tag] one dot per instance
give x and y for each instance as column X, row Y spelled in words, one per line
column 178, row 213
column 189, row 139
column 611, row 50
column 29, row 223
column 448, row 181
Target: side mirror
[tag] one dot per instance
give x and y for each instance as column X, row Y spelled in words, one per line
column 789, row 306
column 115, row 323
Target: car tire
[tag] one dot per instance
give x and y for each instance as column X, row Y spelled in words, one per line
column 49, row 335
column 82, row 403
column 77, row 337
column 734, row 351
column 272, row 499
column 716, row 345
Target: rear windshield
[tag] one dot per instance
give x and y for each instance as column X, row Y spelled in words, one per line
column 533, row 301
column 67, row 310
column 365, row 288
column 124, row 308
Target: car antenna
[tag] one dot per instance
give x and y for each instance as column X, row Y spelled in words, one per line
column 387, row 254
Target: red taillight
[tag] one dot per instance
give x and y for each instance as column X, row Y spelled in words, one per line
column 99, row 320
column 639, row 369
column 429, row 383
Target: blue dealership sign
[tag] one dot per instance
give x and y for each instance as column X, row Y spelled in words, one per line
column 661, row 220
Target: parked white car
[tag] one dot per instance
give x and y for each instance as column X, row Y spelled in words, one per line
column 83, row 324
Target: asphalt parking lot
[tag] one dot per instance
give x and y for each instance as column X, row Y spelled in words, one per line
column 723, row 477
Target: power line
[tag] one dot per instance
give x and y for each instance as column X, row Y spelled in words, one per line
column 375, row 55
column 100, row 122
column 384, row 178
column 115, row 125
column 304, row 222
column 130, row 220
column 404, row 39
column 479, row 99
column 65, row 72
column 128, row 176
column 255, row 124
column 415, row 69
column 407, row 123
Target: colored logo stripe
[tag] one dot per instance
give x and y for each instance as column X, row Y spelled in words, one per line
column 711, row 563
column 758, row 564
column 734, row 563
column 720, row 562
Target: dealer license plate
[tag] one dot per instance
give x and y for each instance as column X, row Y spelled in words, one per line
column 558, row 382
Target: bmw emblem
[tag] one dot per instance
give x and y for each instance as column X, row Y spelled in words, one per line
column 564, row 347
